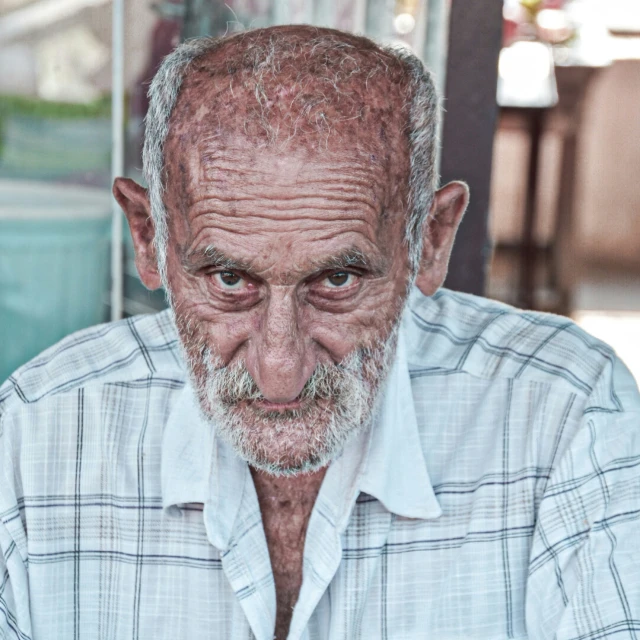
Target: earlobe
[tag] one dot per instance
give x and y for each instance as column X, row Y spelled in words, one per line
column 449, row 204
column 134, row 201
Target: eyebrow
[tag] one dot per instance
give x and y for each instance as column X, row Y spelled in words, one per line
column 212, row 257
column 349, row 259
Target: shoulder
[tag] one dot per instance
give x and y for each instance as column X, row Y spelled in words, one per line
column 459, row 333
column 86, row 401
column 98, row 390
column 130, row 349
column 532, row 382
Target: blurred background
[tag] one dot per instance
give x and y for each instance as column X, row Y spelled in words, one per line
column 542, row 119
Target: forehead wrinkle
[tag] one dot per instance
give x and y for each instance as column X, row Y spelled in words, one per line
column 358, row 91
column 248, row 221
column 238, row 193
column 238, row 189
column 315, row 184
column 376, row 179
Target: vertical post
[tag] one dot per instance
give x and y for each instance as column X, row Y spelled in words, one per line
column 117, row 151
column 360, row 16
column 379, row 19
column 324, row 13
column 420, row 30
column 281, row 12
column 475, row 36
column 527, row 288
column 434, row 42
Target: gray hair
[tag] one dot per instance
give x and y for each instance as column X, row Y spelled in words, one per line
column 423, row 120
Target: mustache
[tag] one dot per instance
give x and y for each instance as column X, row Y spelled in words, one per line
column 233, row 385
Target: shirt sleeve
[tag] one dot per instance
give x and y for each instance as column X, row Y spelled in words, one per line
column 584, row 572
column 15, row 619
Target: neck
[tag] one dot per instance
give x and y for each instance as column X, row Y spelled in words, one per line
column 286, row 504
column 274, row 490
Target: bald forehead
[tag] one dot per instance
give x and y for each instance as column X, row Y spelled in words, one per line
column 294, row 86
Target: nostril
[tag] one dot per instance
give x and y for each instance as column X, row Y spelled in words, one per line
column 281, row 396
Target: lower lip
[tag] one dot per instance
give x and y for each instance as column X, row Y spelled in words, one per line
column 277, row 406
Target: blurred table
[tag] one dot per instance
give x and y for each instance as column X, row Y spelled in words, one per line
column 559, row 108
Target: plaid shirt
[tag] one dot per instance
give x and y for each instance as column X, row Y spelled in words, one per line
column 496, row 496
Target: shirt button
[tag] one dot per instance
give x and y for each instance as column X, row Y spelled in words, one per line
column 174, row 511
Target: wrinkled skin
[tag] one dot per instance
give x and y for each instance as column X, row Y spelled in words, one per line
column 285, row 217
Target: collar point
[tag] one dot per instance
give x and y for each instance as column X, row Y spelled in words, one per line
column 415, row 511
column 426, row 513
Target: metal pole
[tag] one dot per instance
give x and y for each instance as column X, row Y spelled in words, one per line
column 117, row 151
column 324, row 13
column 435, row 43
column 281, row 12
column 379, row 19
column 360, row 16
column 432, row 33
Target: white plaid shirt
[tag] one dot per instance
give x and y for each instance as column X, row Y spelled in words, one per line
column 496, row 496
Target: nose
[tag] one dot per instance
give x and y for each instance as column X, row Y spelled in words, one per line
column 280, row 363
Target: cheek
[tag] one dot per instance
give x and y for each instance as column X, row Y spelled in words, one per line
column 368, row 325
column 225, row 333
column 201, row 322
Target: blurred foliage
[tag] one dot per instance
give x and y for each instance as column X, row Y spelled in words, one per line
column 43, row 139
column 25, row 106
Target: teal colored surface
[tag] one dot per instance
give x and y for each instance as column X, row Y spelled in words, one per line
column 48, row 148
column 54, row 278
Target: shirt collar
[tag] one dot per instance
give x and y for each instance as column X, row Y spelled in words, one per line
column 396, row 471
column 386, row 461
column 187, row 447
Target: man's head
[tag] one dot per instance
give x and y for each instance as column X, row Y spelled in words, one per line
column 291, row 203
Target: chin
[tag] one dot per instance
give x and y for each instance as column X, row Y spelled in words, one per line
column 291, row 442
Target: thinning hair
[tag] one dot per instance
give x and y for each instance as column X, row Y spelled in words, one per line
column 338, row 59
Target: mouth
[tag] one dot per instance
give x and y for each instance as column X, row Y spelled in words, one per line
column 265, row 405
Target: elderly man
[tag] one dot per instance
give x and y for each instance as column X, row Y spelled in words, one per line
column 315, row 441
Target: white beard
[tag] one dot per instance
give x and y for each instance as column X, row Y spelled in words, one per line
column 337, row 401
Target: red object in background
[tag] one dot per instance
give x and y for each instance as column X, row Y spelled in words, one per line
column 164, row 39
column 509, row 32
column 513, row 26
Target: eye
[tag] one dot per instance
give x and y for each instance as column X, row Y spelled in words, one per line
column 339, row 280
column 229, row 281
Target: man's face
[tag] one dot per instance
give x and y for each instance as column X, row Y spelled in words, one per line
column 287, row 276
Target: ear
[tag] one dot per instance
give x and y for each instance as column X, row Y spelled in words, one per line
column 449, row 205
column 134, row 201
